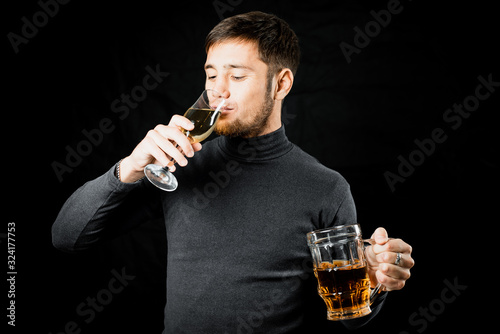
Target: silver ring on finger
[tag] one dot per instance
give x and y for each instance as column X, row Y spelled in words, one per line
column 398, row 259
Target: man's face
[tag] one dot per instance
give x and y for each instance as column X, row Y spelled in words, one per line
column 234, row 69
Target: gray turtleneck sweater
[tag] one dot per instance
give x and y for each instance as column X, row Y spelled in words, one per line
column 238, row 260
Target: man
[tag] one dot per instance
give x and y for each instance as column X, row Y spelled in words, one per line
column 238, row 261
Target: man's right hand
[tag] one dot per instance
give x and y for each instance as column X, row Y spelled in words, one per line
column 159, row 147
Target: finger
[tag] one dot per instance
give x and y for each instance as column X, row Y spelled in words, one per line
column 393, row 245
column 406, row 261
column 162, row 142
column 185, row 123
column 380, row 236
column 395, row 272
column 181, row 122
column 151, row 148
column 180, row 139
column 196, row 147
column 389, row 283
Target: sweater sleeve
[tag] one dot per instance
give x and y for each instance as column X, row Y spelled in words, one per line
column 346, row 212
column 102, row 208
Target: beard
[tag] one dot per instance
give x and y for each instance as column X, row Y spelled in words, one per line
column 249, row 128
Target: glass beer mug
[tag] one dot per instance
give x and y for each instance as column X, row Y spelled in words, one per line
column 341, row 269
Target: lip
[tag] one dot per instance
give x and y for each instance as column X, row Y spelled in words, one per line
column 224, row 110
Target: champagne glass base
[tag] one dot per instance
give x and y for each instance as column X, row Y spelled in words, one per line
column 161, row 177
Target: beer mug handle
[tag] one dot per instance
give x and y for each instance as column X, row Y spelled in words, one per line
column 375, row 291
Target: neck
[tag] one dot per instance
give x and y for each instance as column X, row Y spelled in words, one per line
column 273, row 122
column 266, row 147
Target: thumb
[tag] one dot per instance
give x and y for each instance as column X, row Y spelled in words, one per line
column 380, row 236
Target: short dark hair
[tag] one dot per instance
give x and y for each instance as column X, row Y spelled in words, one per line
column 277, row 43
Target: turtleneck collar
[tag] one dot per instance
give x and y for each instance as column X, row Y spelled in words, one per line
column 261, row 148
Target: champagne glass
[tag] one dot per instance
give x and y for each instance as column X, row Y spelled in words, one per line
column 204, row 113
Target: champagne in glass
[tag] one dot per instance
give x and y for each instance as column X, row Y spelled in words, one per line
column 204, row 123
column 204, row 114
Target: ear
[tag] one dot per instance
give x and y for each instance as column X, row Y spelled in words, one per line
column 284, row 82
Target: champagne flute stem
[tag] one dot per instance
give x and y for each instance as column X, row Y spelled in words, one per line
column 166, row 168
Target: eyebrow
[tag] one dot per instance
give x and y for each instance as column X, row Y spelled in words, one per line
column 230, row 66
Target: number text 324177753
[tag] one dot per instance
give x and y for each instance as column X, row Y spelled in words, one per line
column 11, row 273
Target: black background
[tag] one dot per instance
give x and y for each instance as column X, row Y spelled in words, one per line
column 355, row 117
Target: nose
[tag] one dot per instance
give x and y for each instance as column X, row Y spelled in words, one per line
column 222, row 87
column 225, row 93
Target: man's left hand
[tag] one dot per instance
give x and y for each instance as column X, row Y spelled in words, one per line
column 385, row 265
